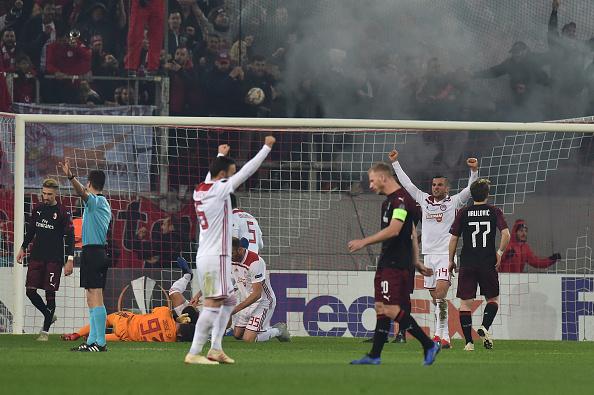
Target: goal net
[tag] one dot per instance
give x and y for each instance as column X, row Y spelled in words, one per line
column 310, row 197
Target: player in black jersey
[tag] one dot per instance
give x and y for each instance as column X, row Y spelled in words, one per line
column 51, row 231
column 392, row 278
column 479, row 260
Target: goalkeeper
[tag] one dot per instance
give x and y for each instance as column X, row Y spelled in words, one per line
column 160, row 325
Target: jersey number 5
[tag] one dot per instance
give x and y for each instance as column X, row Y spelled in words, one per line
column 477, row 230
column 251, row 231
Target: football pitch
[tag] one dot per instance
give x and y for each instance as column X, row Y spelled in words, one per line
column 304, row 366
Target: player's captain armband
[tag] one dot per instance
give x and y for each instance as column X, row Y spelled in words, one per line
column 399, row 214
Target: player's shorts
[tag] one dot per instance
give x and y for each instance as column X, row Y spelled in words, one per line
column 441, row 270
column 93, row 267
column 484, row 276
column 44, row 275
column 392, row 286
column 256, row 318
column 214, row 276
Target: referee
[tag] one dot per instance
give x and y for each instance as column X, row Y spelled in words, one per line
column 93, row 266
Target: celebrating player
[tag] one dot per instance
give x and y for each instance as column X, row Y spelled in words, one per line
column 48, row 225
column 246, row 225
column 392, row 278
column 254, row 312
column 213, row 259
column 93, row 262
column 161, row 325
column 439, row 210
column 478, row 261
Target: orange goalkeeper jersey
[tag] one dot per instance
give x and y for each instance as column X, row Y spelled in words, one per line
column 157, row 326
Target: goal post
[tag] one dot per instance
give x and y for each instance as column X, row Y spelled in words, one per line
column 310, row 198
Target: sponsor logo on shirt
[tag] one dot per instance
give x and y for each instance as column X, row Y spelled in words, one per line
column 436, row 216
column 44, row 224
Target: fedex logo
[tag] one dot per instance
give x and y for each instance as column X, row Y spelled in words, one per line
column 337, row 313
column 344, row 317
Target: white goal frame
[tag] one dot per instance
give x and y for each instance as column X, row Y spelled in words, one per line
column 257, row 123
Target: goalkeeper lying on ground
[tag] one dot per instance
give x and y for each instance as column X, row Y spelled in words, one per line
column 160, row 325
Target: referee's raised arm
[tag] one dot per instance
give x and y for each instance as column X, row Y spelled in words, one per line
column 78, row 187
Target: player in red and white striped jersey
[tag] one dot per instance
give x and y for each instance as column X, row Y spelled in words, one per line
column 213, row 259
column 245, row 225
column 439, row 211
column 253, row 314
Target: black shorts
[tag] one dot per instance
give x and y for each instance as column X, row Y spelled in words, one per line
column 44, row 275
column 471, row 276
column 93, row 267
column 392, row 286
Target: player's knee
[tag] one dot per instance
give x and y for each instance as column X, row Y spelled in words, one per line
column 441, row 290
column 466, row 305
column 493, row 300
column 247, row 339
column 391, row 311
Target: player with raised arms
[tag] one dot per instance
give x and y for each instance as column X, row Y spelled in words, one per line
column 253, row 314
column 245, row 225
column 50, row 230
column 392, row 277
column 213, row 259
column 439, row 210
column 479, row 261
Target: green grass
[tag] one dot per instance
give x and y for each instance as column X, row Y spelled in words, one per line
column 304, row 366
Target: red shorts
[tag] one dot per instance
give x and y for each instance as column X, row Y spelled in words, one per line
column 44, row 275
column 471, row 276
column 392, row 286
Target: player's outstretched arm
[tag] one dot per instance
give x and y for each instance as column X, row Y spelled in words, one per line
column 464, row 194
column 252, row 166
column 388, row 232
column 78, row 187
column 404, row 180
column 223, row 151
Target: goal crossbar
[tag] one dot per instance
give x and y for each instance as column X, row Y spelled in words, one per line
column 310, row 123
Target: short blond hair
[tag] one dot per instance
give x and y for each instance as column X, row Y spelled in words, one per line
column 50, row 183
column 381, row 167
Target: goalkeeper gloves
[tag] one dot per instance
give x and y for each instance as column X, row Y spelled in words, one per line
column 183, row 319
column 555, row 257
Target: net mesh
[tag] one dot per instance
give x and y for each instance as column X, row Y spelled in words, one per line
column 310, row 197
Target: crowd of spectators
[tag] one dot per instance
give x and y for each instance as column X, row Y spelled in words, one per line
column 213, row 61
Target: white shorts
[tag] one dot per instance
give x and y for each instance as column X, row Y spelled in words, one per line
column 214, row 276
column 255, row 318
column 441, row 269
